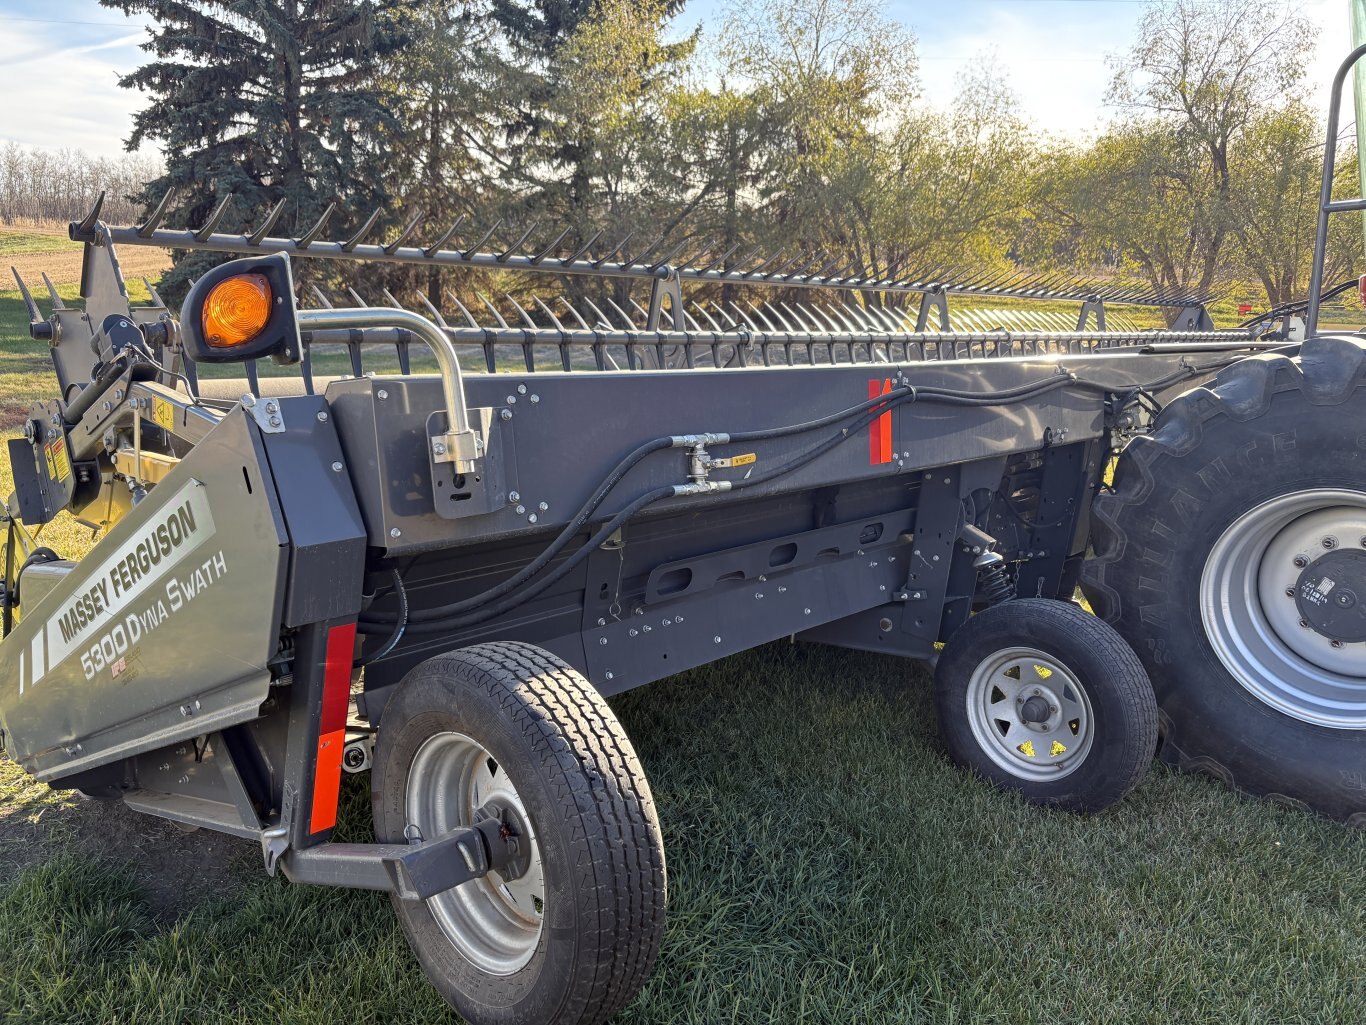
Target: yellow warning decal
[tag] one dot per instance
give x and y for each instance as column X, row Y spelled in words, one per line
column 58, row 462
column 163, row 414
column 1026, row 749
column 743, row 460
column 1057, row 749
column 1043, row 671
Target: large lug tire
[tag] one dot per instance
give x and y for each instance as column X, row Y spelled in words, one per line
column 574, row 937
column 1041, row 697
column 1231, row 553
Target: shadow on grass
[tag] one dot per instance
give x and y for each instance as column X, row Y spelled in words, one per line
column 826, row 864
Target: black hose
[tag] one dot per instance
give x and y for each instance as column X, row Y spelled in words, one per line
column 402, row 624
column 441, row 619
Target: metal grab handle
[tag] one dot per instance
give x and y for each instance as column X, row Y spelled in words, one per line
column 460, row 445
column 1326, row 204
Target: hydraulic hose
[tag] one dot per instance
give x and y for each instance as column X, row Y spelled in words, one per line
column 516, row 590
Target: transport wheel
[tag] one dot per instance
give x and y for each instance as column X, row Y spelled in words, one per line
column 573, row 937
column 1231, row 553
column 1041, row 697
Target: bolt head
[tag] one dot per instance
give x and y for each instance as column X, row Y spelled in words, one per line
column 381, row 394
column 535, row 399
column 514, row 496
column 543, row 506
column 1301, row 562
column 322, row 416
column 1304, row 623
column 520, row 509
column 531, row 518
column 439, row 448
column 505, row 415
column 395, row 532
column 337, row 466
column 602, row 640
column 1336, row 644
column 1330, row 542
column 1290, row 592
column 521, row 389
column 272, row 407
column 716, row 639
column 609, row 676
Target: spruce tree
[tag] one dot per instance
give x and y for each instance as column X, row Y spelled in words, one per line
column 268, row 100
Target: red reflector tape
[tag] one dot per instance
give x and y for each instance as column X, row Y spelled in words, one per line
column 341, row 643
column 880, row 430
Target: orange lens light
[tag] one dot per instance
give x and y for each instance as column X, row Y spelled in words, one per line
column 236, row 310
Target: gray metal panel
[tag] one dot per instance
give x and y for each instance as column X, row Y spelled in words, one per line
column 570, row 429
column 176, row 649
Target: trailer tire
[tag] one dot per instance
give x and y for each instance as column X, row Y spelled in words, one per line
column 548, row 739
column 1041, row 697
column 1188, row 544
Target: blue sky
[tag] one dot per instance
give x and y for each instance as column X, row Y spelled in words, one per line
column 59, row 59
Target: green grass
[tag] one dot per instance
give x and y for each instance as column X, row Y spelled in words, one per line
column 826, row 864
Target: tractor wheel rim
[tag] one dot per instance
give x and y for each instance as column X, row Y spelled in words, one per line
column 1030, row 714
column 495, row 923
column 1254, row 616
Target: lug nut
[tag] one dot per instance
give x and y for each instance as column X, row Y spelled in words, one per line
column 1336, row 644
column 1290, row 592
column 1330, row 542
column 1301, row 562
column 1304, row 623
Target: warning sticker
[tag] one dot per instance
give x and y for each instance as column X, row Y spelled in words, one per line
column 58, row 462
column 163, row 414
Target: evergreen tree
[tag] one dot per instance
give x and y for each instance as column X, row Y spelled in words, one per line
column 267, row 99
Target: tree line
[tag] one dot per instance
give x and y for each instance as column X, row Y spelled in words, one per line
column 791, row 127
column 44, row 186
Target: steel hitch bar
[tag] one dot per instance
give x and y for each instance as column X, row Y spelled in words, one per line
column 421, row 868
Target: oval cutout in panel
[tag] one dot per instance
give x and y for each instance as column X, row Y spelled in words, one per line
column 674, row 581
column 781, row 555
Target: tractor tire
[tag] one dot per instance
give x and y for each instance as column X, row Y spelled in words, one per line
column 571, row 940
column 1231, row 554
column 1040, row 697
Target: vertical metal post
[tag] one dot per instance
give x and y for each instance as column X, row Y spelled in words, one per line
column 1311, row 318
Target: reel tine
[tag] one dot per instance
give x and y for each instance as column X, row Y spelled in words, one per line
column 521, row 312
column 759, row 269
column 630, row 324
column 643, row 258
column 350, row 244
column 602, row 317
column 57, row 303
column 355, row 297
column 311, row 236
column 548, row 311
column 435, row 247
column 389, row 298
column 615, row 249
column 145, row 229
column 709, row 318
column 663, row 260
column 492, row 309
column 469, row 317
column 718, row 261
column 575, row 314
column 151, row 290
column 487, row 235
column 88, row 223
column 403, row 236
column 215, row 218
column 512, row 249
column 34, row 314
column 318, row 295
column 436, row 314
column 540, row 257
column 264, row 230
column 575, row 257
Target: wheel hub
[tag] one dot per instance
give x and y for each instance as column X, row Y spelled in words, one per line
column 1030, row 714
column 1283, row 602
column 1329, row 594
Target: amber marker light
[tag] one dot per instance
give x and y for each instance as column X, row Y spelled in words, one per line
column 236, row 310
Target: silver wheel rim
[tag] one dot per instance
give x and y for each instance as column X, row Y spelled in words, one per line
column 1252, row 618
column 1004, row 695
column 495, row 924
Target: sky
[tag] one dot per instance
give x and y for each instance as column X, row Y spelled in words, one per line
column 60, row 60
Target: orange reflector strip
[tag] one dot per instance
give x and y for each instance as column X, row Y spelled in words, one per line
column 880, row 431
column 341, row 643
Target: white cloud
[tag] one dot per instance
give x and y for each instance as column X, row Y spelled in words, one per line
column 72, row 101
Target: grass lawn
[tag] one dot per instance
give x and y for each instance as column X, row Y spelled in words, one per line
column 826, row 864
